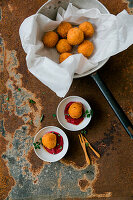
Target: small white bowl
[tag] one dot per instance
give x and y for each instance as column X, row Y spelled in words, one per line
column 61, row 116
column 42, row 153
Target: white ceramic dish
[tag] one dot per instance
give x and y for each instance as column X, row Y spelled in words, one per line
column 42, row 153
column 61, row 116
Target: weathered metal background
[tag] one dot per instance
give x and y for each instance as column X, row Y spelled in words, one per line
column 22, row 174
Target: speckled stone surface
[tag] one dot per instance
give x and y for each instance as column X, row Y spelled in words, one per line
column 22, row 174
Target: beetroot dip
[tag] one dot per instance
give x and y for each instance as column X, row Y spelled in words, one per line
column 59, row 144
column 70, row 119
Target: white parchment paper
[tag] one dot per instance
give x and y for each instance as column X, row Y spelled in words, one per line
column 113, row 34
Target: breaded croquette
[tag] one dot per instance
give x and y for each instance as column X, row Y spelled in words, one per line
column 49, row 140
column 87, row 29
column 63, row 46
column 50, row 39
column 75, row 110
column 63, row 29
column 86, row 48
column 64, row 56
column 75, row 36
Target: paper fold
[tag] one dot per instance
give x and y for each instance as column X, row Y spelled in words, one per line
column 113, row 34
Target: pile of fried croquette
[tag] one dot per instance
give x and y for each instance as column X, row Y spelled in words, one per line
column 67, row 36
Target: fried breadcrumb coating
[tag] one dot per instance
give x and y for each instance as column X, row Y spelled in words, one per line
column 63, row 46
column 49, row 140
column 87, row 29
column 63, row 29
column 75, row 36
column 75, row 110
column 50, row 39
column 86, row 48
column 64, row 56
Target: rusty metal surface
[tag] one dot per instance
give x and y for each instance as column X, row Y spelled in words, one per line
column 25, row 176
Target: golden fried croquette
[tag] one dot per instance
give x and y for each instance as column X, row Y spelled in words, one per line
column 75, row 110
column 75, row 36
column 63, row 46
column 63, row 29
column 86, row 48
column 87, row 29
column 50, row 39
column 49, row 140
column 64, row 56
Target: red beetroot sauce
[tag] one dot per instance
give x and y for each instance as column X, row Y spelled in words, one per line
column 58, row 148
column 70, row 119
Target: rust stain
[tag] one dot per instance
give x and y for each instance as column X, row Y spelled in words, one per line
column 12, row 80
column 11, row 8
column 3, row 144
column 11, row 64
column 129, row 9
column 116, row 168
column 6, row 181
column 12, row 119
column 18, row 159
column 105, row 195
column 24, row 169
column 49, row 101
column 3, row 78
column 13, row 25
column 115, row 6
column 73, row 164
column 10, row 146
column 83, row 184
column 93, row 182
column 59, row 180
column 2, row 51
column 35, row 181
column 36, row 164
column 34, row 110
